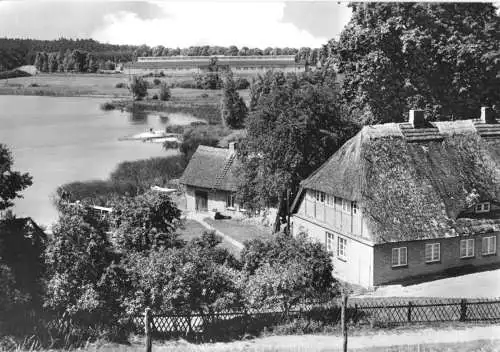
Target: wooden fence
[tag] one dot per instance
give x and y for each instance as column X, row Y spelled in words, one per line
column 374, row 312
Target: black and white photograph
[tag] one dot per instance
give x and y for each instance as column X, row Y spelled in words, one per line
column 249, row 176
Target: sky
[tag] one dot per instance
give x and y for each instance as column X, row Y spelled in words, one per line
column 178, row 24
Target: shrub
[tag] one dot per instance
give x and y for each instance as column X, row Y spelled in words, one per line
column 156, row 81
column 107, row 106
column 204, row 95
column 165, row 93
column 138, row 87
column 242, row 83
column 205, row 135
column 120, row 85
column 174, row 129
column 155, row 97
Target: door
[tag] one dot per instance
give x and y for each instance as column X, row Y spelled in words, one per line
column 201, row 199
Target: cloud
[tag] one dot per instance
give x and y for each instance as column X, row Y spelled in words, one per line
column 175, row 23
column 252, row 24
column 54, row 19
column 320, row 18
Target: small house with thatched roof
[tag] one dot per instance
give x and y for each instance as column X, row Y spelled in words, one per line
column 406, row 200
column 209, row 180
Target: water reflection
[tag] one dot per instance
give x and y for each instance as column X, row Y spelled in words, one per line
column 138, row 117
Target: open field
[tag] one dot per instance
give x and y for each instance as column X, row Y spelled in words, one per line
column 475, row 285
column 461, row 339
column 101, row 85
column 239, row 230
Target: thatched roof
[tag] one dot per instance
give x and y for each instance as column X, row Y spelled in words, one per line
column 211, row 168
column 413, row 183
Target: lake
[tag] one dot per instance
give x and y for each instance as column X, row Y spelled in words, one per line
column 59, row 140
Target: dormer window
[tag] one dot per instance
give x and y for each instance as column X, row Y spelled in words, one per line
column 482, row 207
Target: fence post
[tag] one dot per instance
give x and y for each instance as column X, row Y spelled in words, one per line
column 343, row 315
column 463, row 310
column 409, row 311
column 147, row 328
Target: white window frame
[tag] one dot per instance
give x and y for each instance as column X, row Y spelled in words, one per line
column 482, row 207
column 330, row 243
column 341, row 247
column 432, row 252
column 467, row 245
column 345, row 206
column 230, row 201
column 400, row 257
column 491, row 245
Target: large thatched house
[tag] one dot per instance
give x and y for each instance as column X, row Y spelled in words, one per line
column 402, row 200
column 209, row 180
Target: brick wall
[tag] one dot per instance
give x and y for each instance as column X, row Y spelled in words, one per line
column 449, row 252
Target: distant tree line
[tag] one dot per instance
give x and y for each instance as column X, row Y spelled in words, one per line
column 19, row 52
column 72, row 61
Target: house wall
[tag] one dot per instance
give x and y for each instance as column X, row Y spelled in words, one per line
column 450, row 258
column 357, row 268
column 216, row 201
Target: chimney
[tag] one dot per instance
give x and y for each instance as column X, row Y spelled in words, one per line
column 487, row 115
column 417, row 118
column 232, row 147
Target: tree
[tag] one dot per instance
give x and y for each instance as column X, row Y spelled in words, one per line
column 195, row 278
column 11, row 182
column 435, row 57
column 138, row 87
column 165, row 93
column 294, row 125
column 82, row 272
column 145, row 222
column 201, row 135
column 233, row 108
column 283, row 270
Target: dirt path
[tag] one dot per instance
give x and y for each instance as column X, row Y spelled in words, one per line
column 388, row 338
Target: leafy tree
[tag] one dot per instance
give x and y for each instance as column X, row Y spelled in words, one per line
column 82, row 275
column 294, row 125
column 138, row 87
column 165, row 93
column 208, row 135
column 11, row 182
column 145, row 222
column 195, row 278
column 437, row 57
column 233, row 108
column 283, row 270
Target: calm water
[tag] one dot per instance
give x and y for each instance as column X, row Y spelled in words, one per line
column 59, row 140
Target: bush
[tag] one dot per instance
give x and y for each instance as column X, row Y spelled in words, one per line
column 155, row 97
column 242, row 83
column 120, row 85
column 205, row 135
column 13, row 74
column 138, row 87
column 140, row 175
column 174, row 129
column 107, row 106
column 156, row 81
column 204, row 95
column 165, row 93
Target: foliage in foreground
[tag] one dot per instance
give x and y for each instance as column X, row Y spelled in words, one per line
column 12, row 182
column 441, row 57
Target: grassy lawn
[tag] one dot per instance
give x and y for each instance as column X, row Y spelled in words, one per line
column 239, row 230
column 193, row 229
